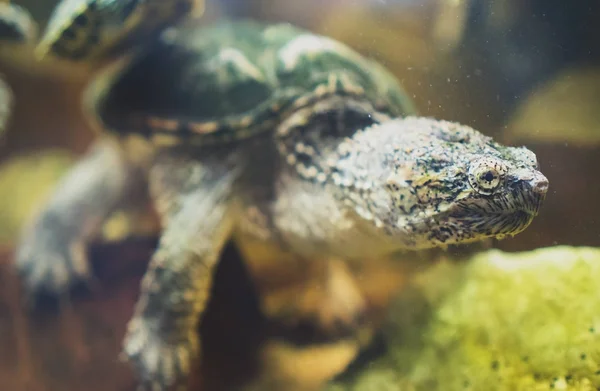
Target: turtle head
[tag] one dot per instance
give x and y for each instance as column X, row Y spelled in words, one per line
column 81, row 30
column 434, row 183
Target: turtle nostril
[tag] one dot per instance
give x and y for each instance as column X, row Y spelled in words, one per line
column 539, row 184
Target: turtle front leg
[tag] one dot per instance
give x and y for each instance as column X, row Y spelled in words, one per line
column 193, row 199
column 51, row 255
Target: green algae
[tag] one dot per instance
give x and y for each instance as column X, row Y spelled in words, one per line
column 518, row 321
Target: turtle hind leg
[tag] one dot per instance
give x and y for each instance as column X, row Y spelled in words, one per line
column 51, row 256
column 193, row 200
column 342, row 307
column 327, row 301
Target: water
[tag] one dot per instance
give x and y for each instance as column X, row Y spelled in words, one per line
column 525, row 73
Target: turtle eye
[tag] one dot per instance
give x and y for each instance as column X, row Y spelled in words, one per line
column 486, row 175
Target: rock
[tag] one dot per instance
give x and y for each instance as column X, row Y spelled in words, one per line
column 502, row 321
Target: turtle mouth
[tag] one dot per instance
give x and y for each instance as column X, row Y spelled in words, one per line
column 513, row 223
column 517, row 202
column 491, row 224
column 470, row 225
column 485, row 217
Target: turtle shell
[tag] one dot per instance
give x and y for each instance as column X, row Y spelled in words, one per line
column 234, row 80
column 81, row 30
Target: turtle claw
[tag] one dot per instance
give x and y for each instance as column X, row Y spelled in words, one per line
column 50, row 263
column 160, row 365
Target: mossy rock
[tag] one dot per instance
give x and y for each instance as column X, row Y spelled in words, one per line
column 502, row 321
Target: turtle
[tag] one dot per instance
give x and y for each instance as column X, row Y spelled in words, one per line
column 17, row 28
column 88, row 30
column 244, row 130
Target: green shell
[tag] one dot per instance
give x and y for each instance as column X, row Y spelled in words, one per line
column 235, row 80
column 80, row 30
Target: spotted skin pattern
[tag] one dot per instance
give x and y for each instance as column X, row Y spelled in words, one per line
column 268, row 133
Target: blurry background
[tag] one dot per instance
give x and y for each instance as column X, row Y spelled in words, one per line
column 524, row 71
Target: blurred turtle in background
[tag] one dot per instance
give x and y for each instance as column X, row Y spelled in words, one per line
column 85, row 30
column 16, row 29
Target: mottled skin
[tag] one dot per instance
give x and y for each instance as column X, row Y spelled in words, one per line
column 85, row 30
column 16, row 28
column 273, row 133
